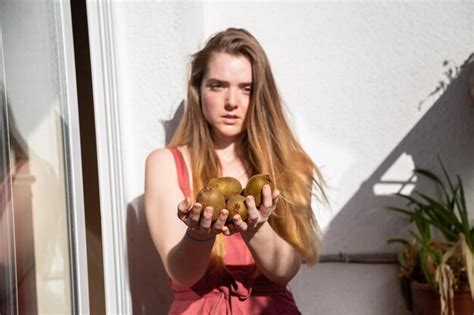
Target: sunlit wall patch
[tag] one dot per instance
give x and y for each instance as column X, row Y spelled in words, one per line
column 398, row 178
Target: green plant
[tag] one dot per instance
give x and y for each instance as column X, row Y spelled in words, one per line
column 440, row 252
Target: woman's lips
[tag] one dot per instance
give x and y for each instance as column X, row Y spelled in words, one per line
column 230, row 119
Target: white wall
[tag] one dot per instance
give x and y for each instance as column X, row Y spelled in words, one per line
column 153, row 42
column 358, row 79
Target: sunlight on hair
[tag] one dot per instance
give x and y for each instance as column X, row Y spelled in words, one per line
column 399, row 177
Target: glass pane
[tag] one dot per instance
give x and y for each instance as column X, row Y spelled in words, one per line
column 33, row 81
column 8, row 300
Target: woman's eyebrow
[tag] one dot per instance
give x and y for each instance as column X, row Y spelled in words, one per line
column 214, row 80
column 245, row 84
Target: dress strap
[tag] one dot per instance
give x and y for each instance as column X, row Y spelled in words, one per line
column 182, row 171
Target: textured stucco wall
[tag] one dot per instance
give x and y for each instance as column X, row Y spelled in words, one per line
column 359, row 80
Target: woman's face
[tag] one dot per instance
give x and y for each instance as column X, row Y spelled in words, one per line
column 225, row 94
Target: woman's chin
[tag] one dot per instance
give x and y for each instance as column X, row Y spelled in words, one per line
column 232, row 135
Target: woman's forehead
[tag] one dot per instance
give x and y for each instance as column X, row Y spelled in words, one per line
column 226, row 67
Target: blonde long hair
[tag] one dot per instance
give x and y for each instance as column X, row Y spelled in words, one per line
column 268, row 145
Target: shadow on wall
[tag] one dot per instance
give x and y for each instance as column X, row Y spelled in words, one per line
column 443, row 130
column 171, row 125
column 149, row 284
column 446, row 129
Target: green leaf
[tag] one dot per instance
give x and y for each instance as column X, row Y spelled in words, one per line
column 463, row 213
column 410, row 199
column 461, row 190
column 433, row 177
column 422, row 224
column 424, row 243
column 424, row 269
column 444, row 214
column 448, row 234
column 402, row 260
column 446, row 173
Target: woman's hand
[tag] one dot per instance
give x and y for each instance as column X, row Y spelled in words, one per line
column 256, row 217
column 200, row 227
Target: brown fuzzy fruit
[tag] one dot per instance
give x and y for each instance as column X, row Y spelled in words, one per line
column 236, row 205
column 255, row 185
column 229, row 186
column 211, row 197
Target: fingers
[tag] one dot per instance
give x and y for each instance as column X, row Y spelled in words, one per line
column 194, row 215
column 226, row 231
column 253, row 214
column 220, row 222
column 183, row 209
column 206, row 220
column 267, row 202
column 239, row 223
column 276, row 196
column 200, row 220
column 267, row 196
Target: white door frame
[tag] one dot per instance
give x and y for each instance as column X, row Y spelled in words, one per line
column 73, row 163
column 107, row 121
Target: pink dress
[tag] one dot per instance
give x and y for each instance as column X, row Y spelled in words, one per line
column 236, row 292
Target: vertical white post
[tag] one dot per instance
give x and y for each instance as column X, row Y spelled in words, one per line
column 107, row 122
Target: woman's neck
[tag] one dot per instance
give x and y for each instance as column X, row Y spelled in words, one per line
column 227, row 153
column 231, row 161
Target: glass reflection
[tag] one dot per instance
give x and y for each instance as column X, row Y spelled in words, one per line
column 36, row 203
column 8, row 301
column 35, row 275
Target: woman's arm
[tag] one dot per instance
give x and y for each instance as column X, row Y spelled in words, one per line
column 277, row 259
column 184, row 248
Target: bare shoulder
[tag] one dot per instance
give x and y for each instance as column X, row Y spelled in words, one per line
column 159, row 167
column 159, row 156
column 164, row 155
column 163, row 159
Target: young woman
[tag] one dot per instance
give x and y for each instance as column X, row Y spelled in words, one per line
column 233, row 125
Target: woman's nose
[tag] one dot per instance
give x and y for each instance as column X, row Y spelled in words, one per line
column 231, row 99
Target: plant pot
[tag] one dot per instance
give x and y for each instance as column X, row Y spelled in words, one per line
column 426, row 301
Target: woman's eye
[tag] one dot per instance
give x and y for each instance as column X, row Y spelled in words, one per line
column 248, row 90
column 216, row 86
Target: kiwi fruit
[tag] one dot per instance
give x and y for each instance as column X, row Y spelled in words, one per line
column 236, row 205
column 211, row 197
column 229, row 186
column 255, row 185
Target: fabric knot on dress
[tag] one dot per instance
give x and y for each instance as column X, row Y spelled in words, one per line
column 237, row 289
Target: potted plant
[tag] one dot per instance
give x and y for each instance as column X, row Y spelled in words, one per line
column 436, row 264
